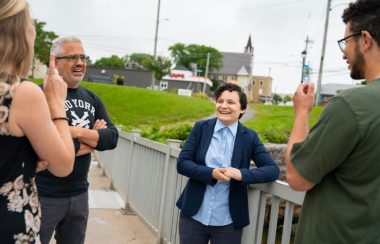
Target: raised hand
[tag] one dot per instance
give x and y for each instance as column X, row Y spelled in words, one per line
column 303, row 98
column 55, row 89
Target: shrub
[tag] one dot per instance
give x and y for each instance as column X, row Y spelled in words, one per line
column 178, row 132
column 200, row 95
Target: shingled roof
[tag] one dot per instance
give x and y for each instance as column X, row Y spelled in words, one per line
column 235, row 63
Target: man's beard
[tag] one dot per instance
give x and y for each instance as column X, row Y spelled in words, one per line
column 357, row 66
column 76, row 78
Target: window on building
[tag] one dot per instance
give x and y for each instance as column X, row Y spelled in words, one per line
column 163, row 85
column 261, row 83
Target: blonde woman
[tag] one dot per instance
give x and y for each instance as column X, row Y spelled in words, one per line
column 33, row 126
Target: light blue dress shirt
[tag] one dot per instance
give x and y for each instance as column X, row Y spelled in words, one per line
column 214, row 210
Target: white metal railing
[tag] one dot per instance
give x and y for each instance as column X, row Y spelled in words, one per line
column 144, row 173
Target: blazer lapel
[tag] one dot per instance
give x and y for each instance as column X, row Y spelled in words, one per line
column 206, row 135
column 239, row 147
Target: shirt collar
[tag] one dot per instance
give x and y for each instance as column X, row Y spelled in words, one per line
column 233, row 127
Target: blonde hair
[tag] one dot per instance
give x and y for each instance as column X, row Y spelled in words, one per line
column 11, row 7
column 16, row 54
column 14, row 49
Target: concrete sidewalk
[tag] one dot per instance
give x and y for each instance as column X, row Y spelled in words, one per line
column 106, row 223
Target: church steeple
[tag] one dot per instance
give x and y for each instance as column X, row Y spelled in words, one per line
column 249, row 47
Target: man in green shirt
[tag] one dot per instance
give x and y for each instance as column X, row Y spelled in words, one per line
column 338, row 161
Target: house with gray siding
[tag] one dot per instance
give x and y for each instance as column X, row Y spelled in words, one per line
column 130, row 76
column 331, row 89
column 179, row 78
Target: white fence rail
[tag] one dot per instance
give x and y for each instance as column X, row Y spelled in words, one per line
column 144, row 173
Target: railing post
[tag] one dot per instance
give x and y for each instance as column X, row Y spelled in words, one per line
column 127, row 210
column 136, row 133
column 172, row 144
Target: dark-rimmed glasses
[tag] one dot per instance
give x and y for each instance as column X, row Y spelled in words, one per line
column 75, row 58
column 343, row 42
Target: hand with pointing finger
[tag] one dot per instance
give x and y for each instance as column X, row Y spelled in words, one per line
column 55, row 89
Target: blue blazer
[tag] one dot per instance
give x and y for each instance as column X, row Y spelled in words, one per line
column 191, row 163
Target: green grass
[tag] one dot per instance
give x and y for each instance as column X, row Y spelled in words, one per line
column 162, row 115
column 140, row 108
column 274, row 123
column 136, row 108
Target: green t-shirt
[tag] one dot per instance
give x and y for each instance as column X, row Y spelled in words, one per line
column 341, row 156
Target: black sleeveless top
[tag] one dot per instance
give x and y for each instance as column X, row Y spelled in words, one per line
column 20, row 214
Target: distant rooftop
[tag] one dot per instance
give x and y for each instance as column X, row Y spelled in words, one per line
column 180, row 67
column 233, row 63
column 334, row 88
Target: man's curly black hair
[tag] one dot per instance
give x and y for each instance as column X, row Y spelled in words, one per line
column 364, row 15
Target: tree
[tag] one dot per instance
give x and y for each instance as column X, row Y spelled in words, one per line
column 215, row 85
column 159, row 67
column 277, row 98
column 118, row 80
column 111, row 62
column 197, row 54
column 44, row 41
column 139, row 58
column 286, row 99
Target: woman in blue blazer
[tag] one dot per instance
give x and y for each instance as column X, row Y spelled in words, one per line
column 216, row 159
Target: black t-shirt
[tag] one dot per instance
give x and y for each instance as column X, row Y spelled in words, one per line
column 83, row 108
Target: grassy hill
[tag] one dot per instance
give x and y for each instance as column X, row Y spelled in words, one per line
column 136, row 108
column 274, row 123
column 141, row 108
column 162, row 115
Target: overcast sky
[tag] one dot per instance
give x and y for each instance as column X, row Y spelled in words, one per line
column 278, row 29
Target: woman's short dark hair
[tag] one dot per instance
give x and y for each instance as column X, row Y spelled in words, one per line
column 231, row 88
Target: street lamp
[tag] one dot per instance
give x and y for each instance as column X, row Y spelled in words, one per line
column 303, row 54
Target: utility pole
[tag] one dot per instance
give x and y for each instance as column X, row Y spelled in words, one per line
column 323, row 54
column 206, row 74
column 155, row 40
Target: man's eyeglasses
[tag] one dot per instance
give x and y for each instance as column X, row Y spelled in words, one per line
column 343, row 42
column 74, row 58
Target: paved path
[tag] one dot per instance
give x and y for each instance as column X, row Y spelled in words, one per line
column 106, row 223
